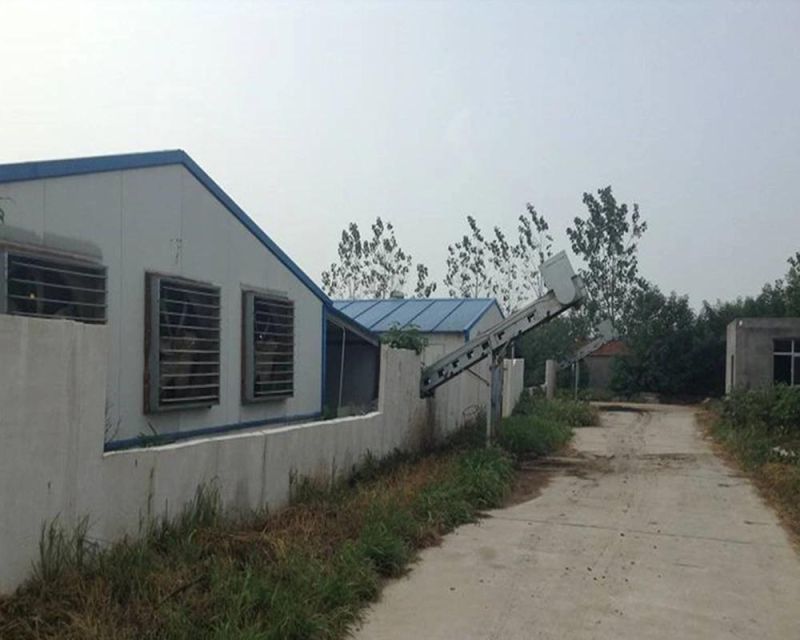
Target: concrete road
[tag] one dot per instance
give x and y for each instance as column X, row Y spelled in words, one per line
column 646, row 535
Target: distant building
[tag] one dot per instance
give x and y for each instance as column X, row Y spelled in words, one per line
column 446, row 323
column 598, row 363
column 762, row 352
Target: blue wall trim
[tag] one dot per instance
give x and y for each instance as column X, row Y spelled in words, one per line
column 100, row 164
column 169, row 438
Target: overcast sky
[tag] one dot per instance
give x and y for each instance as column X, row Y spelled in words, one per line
column 313, row 115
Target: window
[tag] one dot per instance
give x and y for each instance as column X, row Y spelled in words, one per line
column 786, row 362
column 45, row 285
column 267, row 347
column 182, row 344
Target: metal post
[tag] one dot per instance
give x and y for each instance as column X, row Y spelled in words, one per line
column 577, row 367
column 489, row 404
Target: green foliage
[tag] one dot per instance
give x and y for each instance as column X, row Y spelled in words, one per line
column 405, row 338
column 761, row 427
column 663, row 343
column 556, row 340
column 494, row 266
column 607, row 241
column 539, row 427
column 373, row 267
column 754, row 423
column 304, row 572
column 677, row 352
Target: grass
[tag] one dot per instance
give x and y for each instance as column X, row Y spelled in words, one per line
column 304, row 572
column 539, row 427
column 760, row 429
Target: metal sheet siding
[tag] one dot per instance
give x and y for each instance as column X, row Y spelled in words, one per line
column 463, row 316
column 163, row 219
column 402, row 315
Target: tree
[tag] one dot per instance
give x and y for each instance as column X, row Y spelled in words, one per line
column 478, row 266
column 556, row 340
column 607, row 242
column 373, row 267
column 663, row 345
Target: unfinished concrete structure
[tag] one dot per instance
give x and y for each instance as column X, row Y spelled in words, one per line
column 762, row 352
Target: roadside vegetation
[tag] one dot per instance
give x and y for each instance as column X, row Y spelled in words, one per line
column 538, row 426
column 761, row 429
column 306, row 571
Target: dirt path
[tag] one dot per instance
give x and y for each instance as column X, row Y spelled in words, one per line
column 648, row 536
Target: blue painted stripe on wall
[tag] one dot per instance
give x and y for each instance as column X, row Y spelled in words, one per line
column 100, row 164
column 169, row 438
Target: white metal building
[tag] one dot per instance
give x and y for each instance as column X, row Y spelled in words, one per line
column 211, row 326
column 446, row 324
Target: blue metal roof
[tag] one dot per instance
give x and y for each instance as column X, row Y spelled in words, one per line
column 429, row 315
column 100, row 164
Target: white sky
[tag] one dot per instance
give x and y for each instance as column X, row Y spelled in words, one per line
column 312, row 115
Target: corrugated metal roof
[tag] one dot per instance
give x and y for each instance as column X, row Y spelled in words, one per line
column 429, row 315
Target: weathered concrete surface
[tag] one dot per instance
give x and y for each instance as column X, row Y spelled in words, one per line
column 651, row 537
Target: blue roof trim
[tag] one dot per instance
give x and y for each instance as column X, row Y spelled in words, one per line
column 101, row 164
column 482, row 313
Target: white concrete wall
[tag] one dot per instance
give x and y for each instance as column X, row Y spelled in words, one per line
column 52, row 404
column 513, row 383
column 164, row 220
column 52, row 463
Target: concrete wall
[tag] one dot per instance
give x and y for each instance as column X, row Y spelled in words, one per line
column 52, row 406
column 513, row 383
column 52, row 462
column 749, row 349
column 164, row 220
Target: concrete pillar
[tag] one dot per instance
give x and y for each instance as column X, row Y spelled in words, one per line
column 550, row 378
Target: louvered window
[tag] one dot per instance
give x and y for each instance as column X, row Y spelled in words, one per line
column 182, row 344
column 49, row 286
column 268, row 349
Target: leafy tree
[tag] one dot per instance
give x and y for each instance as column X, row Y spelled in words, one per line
column 494, row 266
column 792, row 286
column 388, row 265
column 556, row 340
column 425, row 287
column 349, row 277
column 662, row 341
column 373, row 267
column 607, row 241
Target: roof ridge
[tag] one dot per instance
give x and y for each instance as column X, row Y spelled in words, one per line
column 39, row 170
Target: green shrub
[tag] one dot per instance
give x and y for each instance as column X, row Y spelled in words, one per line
column 532, row 434
column 405, row 338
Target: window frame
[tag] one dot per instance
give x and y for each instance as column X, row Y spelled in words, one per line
column 153, row 403
column 249, row 393
column 64, row 261
column 794, row 357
